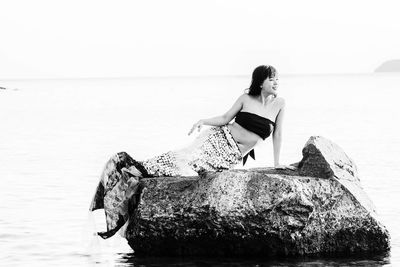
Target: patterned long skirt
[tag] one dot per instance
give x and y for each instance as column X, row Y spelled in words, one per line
column 118, row 191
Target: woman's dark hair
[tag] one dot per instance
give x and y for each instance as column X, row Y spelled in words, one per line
column 259, row 75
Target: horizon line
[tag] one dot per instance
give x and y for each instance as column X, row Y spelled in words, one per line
column 179, row 76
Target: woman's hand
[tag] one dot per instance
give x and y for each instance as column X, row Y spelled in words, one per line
column 197, row 126
column 283, row 167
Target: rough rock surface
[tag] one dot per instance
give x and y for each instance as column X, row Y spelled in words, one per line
column 318, row 209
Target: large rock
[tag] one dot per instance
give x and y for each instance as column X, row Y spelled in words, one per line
column 318, row 209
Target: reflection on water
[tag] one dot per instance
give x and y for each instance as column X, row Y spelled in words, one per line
column 129, row 259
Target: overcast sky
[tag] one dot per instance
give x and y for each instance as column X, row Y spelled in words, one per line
column 56, row 39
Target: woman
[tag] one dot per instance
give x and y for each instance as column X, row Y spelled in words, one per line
column 257, row 110
column 257, row 113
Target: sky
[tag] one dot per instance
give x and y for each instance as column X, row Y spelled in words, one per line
column 75, row 39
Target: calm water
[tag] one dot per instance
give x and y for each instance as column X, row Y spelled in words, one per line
column 56, row 136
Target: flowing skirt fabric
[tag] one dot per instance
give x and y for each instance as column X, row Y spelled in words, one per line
column 118, row 191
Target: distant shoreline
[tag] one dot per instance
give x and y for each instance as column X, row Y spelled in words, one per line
column 389, row 66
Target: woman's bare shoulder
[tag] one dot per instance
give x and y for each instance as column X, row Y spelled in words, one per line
column 244, row 98
column 280, row 102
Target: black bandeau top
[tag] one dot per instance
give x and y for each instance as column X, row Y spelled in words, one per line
column 255, row 123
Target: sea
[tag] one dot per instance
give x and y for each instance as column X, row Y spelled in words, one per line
column 57, row 134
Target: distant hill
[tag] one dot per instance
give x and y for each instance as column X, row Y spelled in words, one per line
column 389, row 66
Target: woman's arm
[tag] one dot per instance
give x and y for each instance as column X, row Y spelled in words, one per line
column 223, row 119
column 277, row 134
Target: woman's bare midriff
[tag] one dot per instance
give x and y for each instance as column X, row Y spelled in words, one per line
column 245, row 139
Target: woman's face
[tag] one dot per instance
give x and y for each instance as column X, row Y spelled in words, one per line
column 270, row 85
